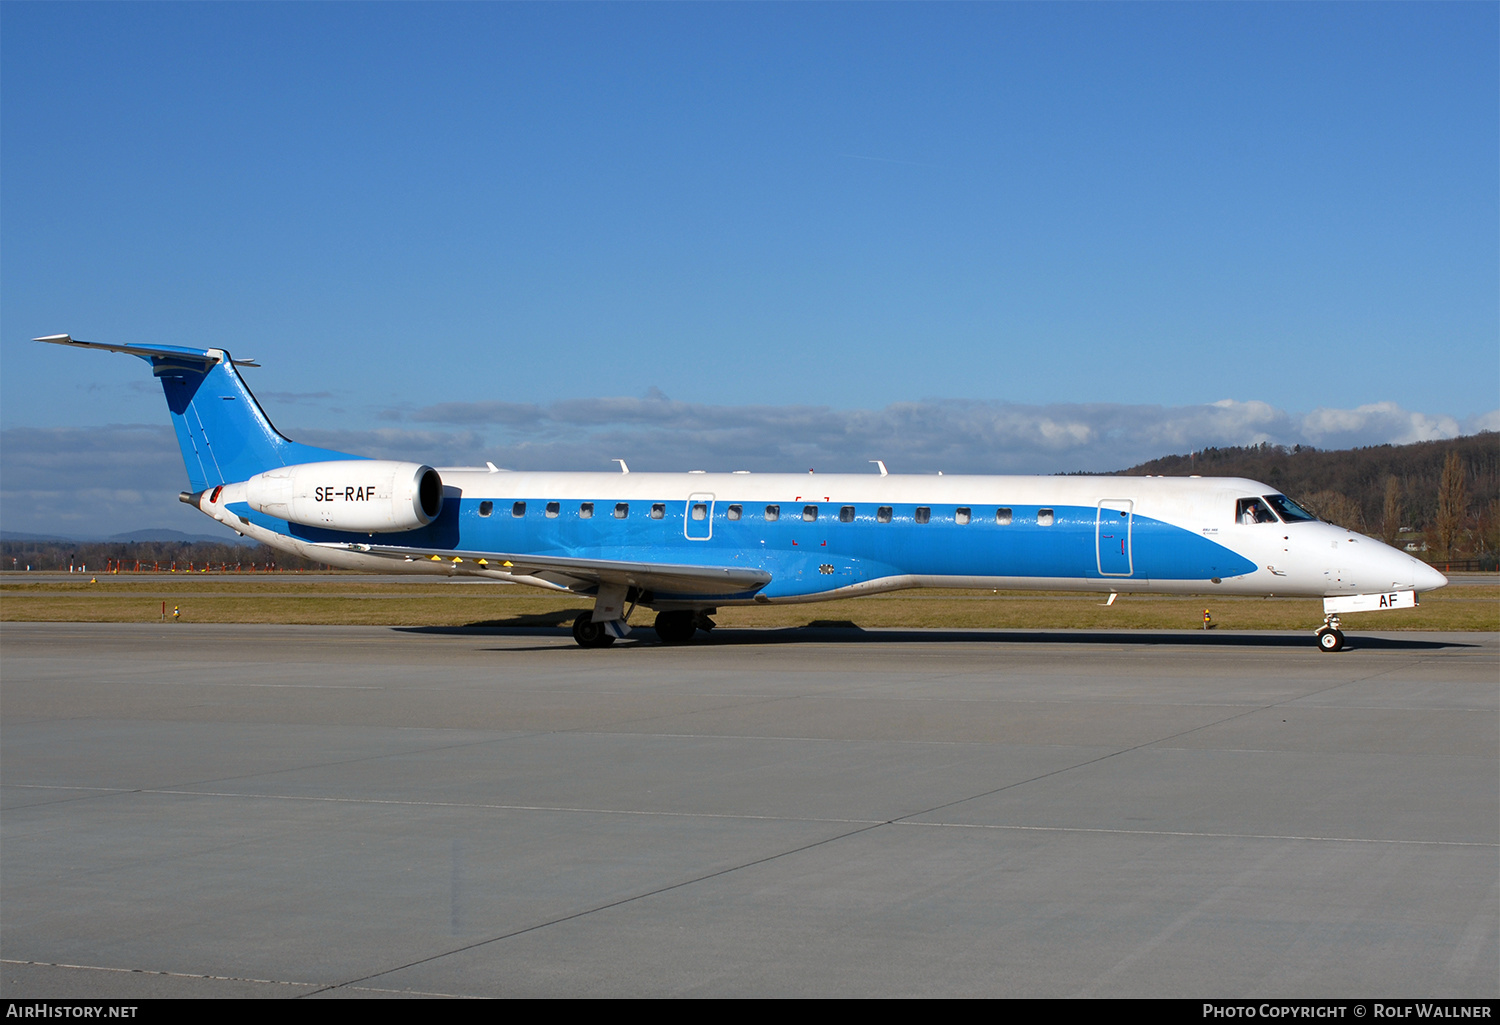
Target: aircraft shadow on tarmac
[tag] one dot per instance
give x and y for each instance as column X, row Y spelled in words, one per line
column 843, row 631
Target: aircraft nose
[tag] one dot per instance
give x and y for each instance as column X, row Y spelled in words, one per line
column 1427, row 578
column 1399, row 571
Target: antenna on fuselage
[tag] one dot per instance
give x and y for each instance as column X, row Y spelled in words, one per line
column 623, row 467
column 881, row 463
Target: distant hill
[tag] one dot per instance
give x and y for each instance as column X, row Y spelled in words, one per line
column 145, row 534
column 20, row 536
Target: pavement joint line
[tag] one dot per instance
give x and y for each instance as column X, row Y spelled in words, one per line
column 302, row 768
column 1197, row 835
column 224, row 978
column 657, row 891
column 151, row 971
column 904, row 821
column 410, row 992
column 1151, row 743
column 461, row 804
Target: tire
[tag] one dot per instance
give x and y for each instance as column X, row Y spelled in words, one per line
column 676, row 627
column 1330, row 640
column 589, row 634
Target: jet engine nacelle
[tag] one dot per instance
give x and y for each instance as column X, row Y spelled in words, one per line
column 374, row 496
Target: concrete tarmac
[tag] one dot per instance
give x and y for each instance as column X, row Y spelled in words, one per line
column 197, row 810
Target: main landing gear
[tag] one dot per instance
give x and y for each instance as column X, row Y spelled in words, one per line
column 590, row 634
column 1330, row 637
column 676, row 626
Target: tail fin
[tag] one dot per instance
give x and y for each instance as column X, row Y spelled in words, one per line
column 224, row 434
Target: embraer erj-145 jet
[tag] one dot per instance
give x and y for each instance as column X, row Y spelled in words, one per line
column 684, row 544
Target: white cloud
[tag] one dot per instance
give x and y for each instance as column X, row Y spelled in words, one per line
column 94, row 481
column 1482, row 422
column 439, row 448
column 1342, row 428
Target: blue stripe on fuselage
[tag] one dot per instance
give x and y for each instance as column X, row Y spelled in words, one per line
column 807, row 558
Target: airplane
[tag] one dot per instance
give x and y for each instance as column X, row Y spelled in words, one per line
column 686, row 544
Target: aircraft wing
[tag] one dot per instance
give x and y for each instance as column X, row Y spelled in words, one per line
column 581, row 574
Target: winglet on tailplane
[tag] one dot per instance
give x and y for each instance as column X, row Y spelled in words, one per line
column 224, row 434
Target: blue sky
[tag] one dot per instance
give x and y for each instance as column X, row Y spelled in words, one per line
column 1005, row 237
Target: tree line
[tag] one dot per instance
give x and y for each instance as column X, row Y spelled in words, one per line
column 97, row 557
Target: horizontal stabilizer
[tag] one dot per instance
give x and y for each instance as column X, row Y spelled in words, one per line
column 207, row 356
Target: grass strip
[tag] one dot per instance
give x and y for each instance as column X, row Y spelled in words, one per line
column 349, row 600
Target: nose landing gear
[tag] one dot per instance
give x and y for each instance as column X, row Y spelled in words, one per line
column 1329, row 636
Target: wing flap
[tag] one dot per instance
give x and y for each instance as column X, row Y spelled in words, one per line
column 648, row 576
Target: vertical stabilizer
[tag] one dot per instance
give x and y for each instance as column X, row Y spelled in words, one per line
column 223, row 433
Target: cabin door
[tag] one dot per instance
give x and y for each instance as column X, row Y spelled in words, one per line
column 1112, row 537
column 698, row 521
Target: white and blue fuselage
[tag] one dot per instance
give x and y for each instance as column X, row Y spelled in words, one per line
column 821, row 536
column 685, row 543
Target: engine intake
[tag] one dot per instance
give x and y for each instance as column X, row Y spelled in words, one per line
column 373, row 496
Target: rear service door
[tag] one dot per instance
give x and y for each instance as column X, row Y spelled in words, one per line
column 1112, row 536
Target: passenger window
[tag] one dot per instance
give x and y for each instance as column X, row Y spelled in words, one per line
column 585, row 510
column 735, row 512
column 923, row 514
column 700, row 511
column 552, row 510
column 485, row 508
column 809, row 513
column 658, row 511
column 518, row 510
column 1044, row 517
column 622, row 510
column 961, row 515
column 1002, row 517
column 846, row 514
column 773, row 513
column 883, row 514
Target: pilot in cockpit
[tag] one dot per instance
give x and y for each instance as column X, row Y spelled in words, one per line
column 1252, row 511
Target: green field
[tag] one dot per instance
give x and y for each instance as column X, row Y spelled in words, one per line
column 349, row 599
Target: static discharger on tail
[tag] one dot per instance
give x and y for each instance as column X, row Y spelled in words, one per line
column 686, row 544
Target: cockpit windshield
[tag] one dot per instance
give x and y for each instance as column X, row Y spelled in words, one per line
column 1289, row 510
